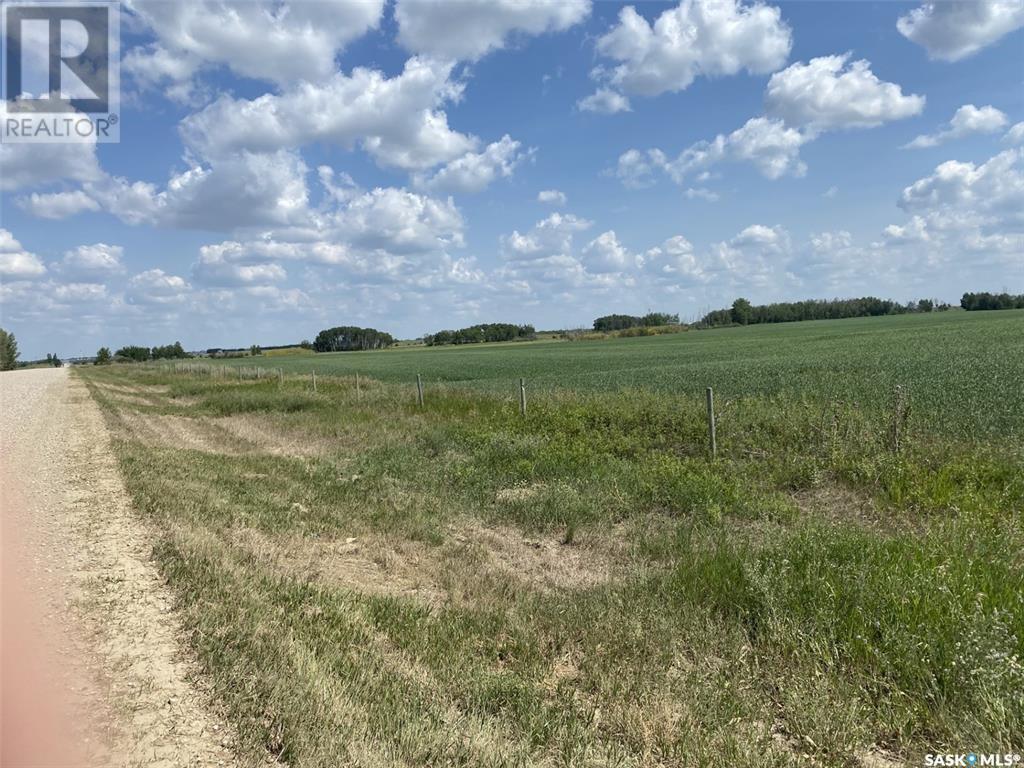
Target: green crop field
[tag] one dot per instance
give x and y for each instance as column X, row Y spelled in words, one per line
column 963, row 371
column 370, row 582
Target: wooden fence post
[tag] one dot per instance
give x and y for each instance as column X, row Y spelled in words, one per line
column 280, row 377
column 712, row 443
column 314, row 381
column 419, row 390
column 522, row 397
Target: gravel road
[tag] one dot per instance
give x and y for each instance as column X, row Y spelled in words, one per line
column 93, row 670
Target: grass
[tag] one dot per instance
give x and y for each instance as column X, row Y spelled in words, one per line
column 368, row 583
column 946, row 361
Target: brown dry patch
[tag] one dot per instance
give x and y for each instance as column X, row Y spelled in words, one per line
column 370, row 565
column 518, row 493
column 543, row 562
column 183, row 432
column 266, row 436
column 838, row 504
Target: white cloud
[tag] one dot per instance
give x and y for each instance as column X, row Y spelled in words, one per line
column 474, row 171
column 826, row 94
column 604, row 101
column 98, row 260
column 397, row 120
column 470, row 29
column 275, row 41
column 771, row 146
column 675, row 261
column 698, row 37
column 34, row 165
column 552, row 197
column 967, row 120
column 802, row 101
column 213, row 268
column 154, row 286
column 58, row 205
column 966, row 215
column 15, row 261
column 990, row 192
column 246, row 189
column 398, row 221
column 552, row 236
column 700, row 193
column 606, row 254
column 955, row 29
column 1015, row 135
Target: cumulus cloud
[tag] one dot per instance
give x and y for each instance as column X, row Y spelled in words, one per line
column 802, row 101
column 475, row 171
column 154, row 286
column 771, row 146
column 606, row 254
column 552, row 197
column 397, row 120
column 25, row 166
column 92, row 261
column 969, row 215
column 955, row 29
column 279, row 42
column 604, row 101
column 246, row 189
column 15, row 262
column 830, row 92
column 959, row 191
column 1015, row 135
column 469, row 29
column 550, row 237
column 213, row 268
column 58, row 205
column 967, row 120
column 707, row 38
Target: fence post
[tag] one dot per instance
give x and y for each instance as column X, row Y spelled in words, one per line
column 359, row 392
column 419, row 390
column 522, row 397
column 314, row 381
column 280, row 377
column 712, row 443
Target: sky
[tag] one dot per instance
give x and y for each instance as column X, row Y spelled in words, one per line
column 413, row 165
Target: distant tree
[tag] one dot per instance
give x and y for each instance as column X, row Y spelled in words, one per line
column 925, row 305
column 102, row 356
column 255, row 350
column 306, row 344
column 622, row 322
column 485, row 332
column 742, row 311
column 52, row 359
column 133, row 353
column 8, row 351
column 349, row 338
column 982, row 301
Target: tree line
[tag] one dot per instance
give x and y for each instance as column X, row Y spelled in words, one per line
column 976, row 301
column 136, row 354
column 484, row 332
column 350, row 338
column 742, row 312
column 622, row 322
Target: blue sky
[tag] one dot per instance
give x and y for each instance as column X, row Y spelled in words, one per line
column 288, row 166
